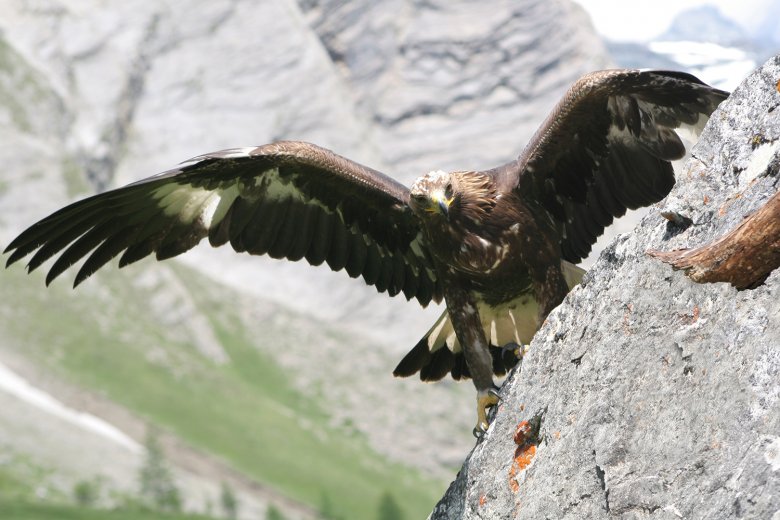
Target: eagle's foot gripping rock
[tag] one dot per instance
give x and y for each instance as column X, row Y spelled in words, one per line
column 485, row 399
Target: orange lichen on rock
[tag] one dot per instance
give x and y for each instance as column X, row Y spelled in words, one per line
column 513, row 484
column 482, row 500
column 524, row 454
column 522, row 432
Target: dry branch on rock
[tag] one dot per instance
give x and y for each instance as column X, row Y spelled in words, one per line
column 744, row 257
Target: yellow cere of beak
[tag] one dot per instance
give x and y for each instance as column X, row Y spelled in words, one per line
column 439, row 203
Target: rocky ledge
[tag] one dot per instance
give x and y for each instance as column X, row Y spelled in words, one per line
column 647, row 394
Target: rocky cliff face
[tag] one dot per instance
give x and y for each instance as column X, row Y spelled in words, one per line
column 646, row 394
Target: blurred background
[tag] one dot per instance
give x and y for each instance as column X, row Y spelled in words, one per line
column 226, row 386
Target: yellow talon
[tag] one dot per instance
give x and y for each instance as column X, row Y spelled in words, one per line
column 485, row 400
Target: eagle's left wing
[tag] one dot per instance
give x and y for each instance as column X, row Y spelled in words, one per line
column 288, row 200
column 606, row 147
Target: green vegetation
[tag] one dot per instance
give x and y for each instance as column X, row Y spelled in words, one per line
column 14, row 485
column 86, row 493
column 229, row 502
column 158, row 490
column 19, row 510
column 21, row 482
column 389, row 508
column 21, row 479
column 244, row 411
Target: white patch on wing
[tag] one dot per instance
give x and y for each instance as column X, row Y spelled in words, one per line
column 176, row 201
column 615, row 134
column 572, row 273
column 416, row 248
column 436, row 331
column 230, row 153
column 217, row 207
column 271, row 186
column 452, row 342
column 189, row 203
column 415, row 245
column 515, row 321
column 688, row 134
column 234, row 153
column 208, row 209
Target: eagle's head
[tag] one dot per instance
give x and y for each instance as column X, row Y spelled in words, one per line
column 439, row 197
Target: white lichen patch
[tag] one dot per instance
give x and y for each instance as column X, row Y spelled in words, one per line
column 772, row 454
column 760, row 159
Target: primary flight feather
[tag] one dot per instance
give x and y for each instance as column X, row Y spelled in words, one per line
column 498, row 246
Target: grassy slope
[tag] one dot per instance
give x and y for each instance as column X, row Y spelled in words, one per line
column 243, row 411
column 19, row 510
column 21, row 483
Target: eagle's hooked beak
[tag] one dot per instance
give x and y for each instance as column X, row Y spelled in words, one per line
column 444, row 206
column 441, row 202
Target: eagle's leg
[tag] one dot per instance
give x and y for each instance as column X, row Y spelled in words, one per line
column 468, row 328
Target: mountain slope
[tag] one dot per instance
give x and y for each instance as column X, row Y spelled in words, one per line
column 244, row 411
column 98, row 93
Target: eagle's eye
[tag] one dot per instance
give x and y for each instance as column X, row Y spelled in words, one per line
column 448, row 190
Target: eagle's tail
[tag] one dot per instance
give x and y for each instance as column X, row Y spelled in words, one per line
column 514, row 321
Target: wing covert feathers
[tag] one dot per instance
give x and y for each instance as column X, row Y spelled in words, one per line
column 287, row 200
column 608, row 146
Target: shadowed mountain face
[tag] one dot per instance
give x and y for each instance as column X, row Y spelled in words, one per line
column 405, row 87
column 95, row 94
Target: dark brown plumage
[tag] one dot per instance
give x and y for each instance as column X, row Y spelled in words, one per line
column 497, row 245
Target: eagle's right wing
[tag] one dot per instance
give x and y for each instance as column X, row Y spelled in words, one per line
column 288, row 200
column 607, row 147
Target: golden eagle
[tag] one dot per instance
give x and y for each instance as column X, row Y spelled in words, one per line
column 499, row 246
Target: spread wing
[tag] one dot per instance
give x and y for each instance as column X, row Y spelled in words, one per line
column 288, row 200
column 608, row 146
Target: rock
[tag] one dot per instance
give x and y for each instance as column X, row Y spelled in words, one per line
column 655, row 395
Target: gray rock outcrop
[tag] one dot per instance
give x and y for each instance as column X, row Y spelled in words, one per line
column 648, row 395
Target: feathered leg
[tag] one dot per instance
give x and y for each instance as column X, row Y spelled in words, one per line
column 468, row 328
